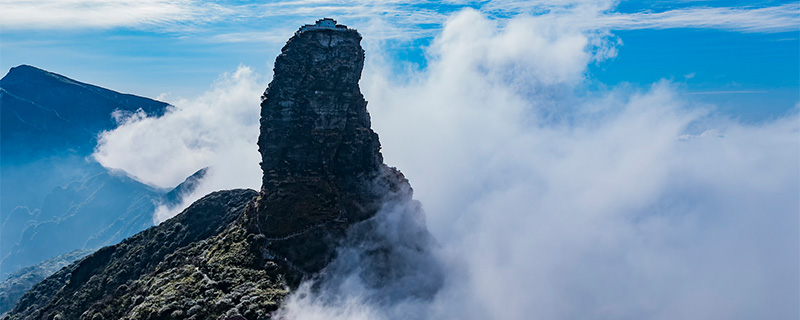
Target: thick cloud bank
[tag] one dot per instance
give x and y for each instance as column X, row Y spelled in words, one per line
column 548, row 200
column 626, row 204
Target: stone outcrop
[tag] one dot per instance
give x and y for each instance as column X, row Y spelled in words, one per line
column 323, row 169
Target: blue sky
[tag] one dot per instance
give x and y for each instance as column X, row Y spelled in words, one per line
column 737, row 55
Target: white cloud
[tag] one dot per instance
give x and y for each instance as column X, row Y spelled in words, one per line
column 746, row 19
column 71, row 14
column 409, row 20
column 219, row 130
column 405, row 19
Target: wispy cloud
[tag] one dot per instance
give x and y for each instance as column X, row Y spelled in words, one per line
column 767, row 20
column 407, row 19
column 71, row 14
column 728, row 92
column 277, row 37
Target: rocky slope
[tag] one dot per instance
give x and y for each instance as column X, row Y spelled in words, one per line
column 236, row 254
column 124, row 273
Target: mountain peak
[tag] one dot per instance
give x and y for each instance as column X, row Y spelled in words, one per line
column 29, row 69
column 321, row 160
column 314, row 119
column 25, row 68
column 27, row 76
column 55, row 113
column 324, row 24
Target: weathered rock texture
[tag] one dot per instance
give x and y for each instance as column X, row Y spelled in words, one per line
column 323, row 169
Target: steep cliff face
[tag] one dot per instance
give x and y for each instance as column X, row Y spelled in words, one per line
column 237, row 254
column 323, row 169
column 314, row 119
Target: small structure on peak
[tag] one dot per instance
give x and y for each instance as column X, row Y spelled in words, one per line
column 324, row 23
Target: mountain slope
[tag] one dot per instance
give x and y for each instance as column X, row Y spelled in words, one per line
column 81, row 286
column 102, row 210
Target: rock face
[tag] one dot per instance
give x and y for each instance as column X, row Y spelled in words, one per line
column 314, row 119
column 236, row 254
column 321, row 160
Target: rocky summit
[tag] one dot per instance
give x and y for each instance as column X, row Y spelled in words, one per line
column 322, row 165
column 236, row 254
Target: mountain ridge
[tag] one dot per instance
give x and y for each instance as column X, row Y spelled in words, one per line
column 75, row 110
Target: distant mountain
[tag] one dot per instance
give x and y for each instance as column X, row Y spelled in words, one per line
column 174, row 197
column 21, row 281
column 85, row 214
column 54, row 198
column 235, row 255
column 44, row 113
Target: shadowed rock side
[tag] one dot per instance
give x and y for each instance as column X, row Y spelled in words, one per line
column 321, row 160
column 236, row 254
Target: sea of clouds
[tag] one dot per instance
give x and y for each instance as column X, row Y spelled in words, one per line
column 547, row 200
